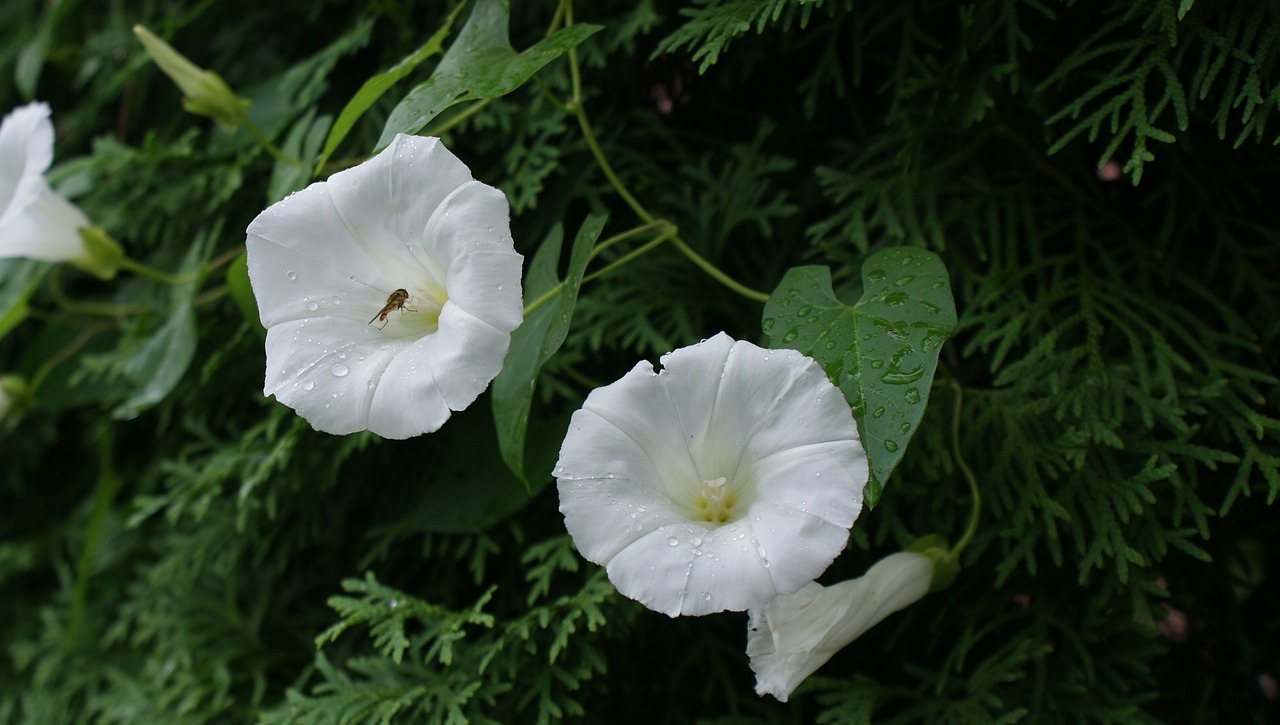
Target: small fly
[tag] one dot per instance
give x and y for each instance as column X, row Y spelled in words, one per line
column 395, row 301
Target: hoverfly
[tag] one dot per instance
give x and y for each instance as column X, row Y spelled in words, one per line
column 395, row 301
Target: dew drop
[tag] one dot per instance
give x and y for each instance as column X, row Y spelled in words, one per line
column 292, row 276
column 877, row 412
column 891, row 446
column 791, row 335
column 912, row 395
column 311, row 305
column 308, row 385
column 339, row 370
column 672, row 541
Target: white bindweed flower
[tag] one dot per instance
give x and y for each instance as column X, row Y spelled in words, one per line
column 389, row 292
column 35, row 222
column 731, row 476
column 794, row 635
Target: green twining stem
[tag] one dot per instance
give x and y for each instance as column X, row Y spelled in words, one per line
column 576, row 107
column 108, row 486
column 976, row 510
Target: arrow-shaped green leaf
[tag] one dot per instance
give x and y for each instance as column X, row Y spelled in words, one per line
column 480, row 64
column 882, row 352
column 535, row 341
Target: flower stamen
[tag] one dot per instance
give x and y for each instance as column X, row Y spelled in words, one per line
column 715, row 502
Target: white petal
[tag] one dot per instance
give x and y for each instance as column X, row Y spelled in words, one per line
column 797, row 545
column 327, row 368
column 26, row 150
column 797, row 633
column 693, row 381
column 690, row 569
column 637, row 406
column 301, row 252
column 325, row 262
column 387, row 201
column 35, row 222
column 469, row 236
column 663, row 445
column 601, row 538
column 449, row 368
column 407, row 401
column 46, row 228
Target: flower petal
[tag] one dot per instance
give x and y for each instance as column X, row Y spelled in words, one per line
column 637, row 406
column 327, row 368
column 366, row 264
column 26, row 150
column 386, row 202
column 469, row 235
column 35, row 222
column 450, row 367
column 659, row 478
column 690, row 569
column 301, row 254
column 797, row 633
column 45, row 229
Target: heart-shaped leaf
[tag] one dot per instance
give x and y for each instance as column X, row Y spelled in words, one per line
column 882, row 352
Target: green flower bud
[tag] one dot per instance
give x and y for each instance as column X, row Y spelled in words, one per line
column 206, row 94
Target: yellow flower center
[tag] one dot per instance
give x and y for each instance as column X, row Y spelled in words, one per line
column 714, row 503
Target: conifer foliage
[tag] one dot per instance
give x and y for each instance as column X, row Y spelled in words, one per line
column 1097, row 179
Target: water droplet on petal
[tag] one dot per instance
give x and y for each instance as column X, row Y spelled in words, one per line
column 292, row 276
column 311, row 305
column 339, row 370
column 309, row 385
column 672, row 541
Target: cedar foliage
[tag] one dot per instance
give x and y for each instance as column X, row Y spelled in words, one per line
column 1093, row 176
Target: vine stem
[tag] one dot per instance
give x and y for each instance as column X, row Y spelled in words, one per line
column 976, row 510
column 578, row 110
column 143, row 270
column 624, row 259
column 105, row 493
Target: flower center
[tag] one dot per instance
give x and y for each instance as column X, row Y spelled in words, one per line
column 715, row 501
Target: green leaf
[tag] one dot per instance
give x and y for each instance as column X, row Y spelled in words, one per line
column 159, row 363
column 480, row 64
column 241, row 292
column 18, row 279
column 373, row 88
column 535, row 341
column 302, row 143
column 471, row 492
column 882, row 352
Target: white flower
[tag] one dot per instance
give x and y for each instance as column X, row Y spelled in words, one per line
column 35, row 222
column 794, row 635
column 728, row 478
column 389, row 292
